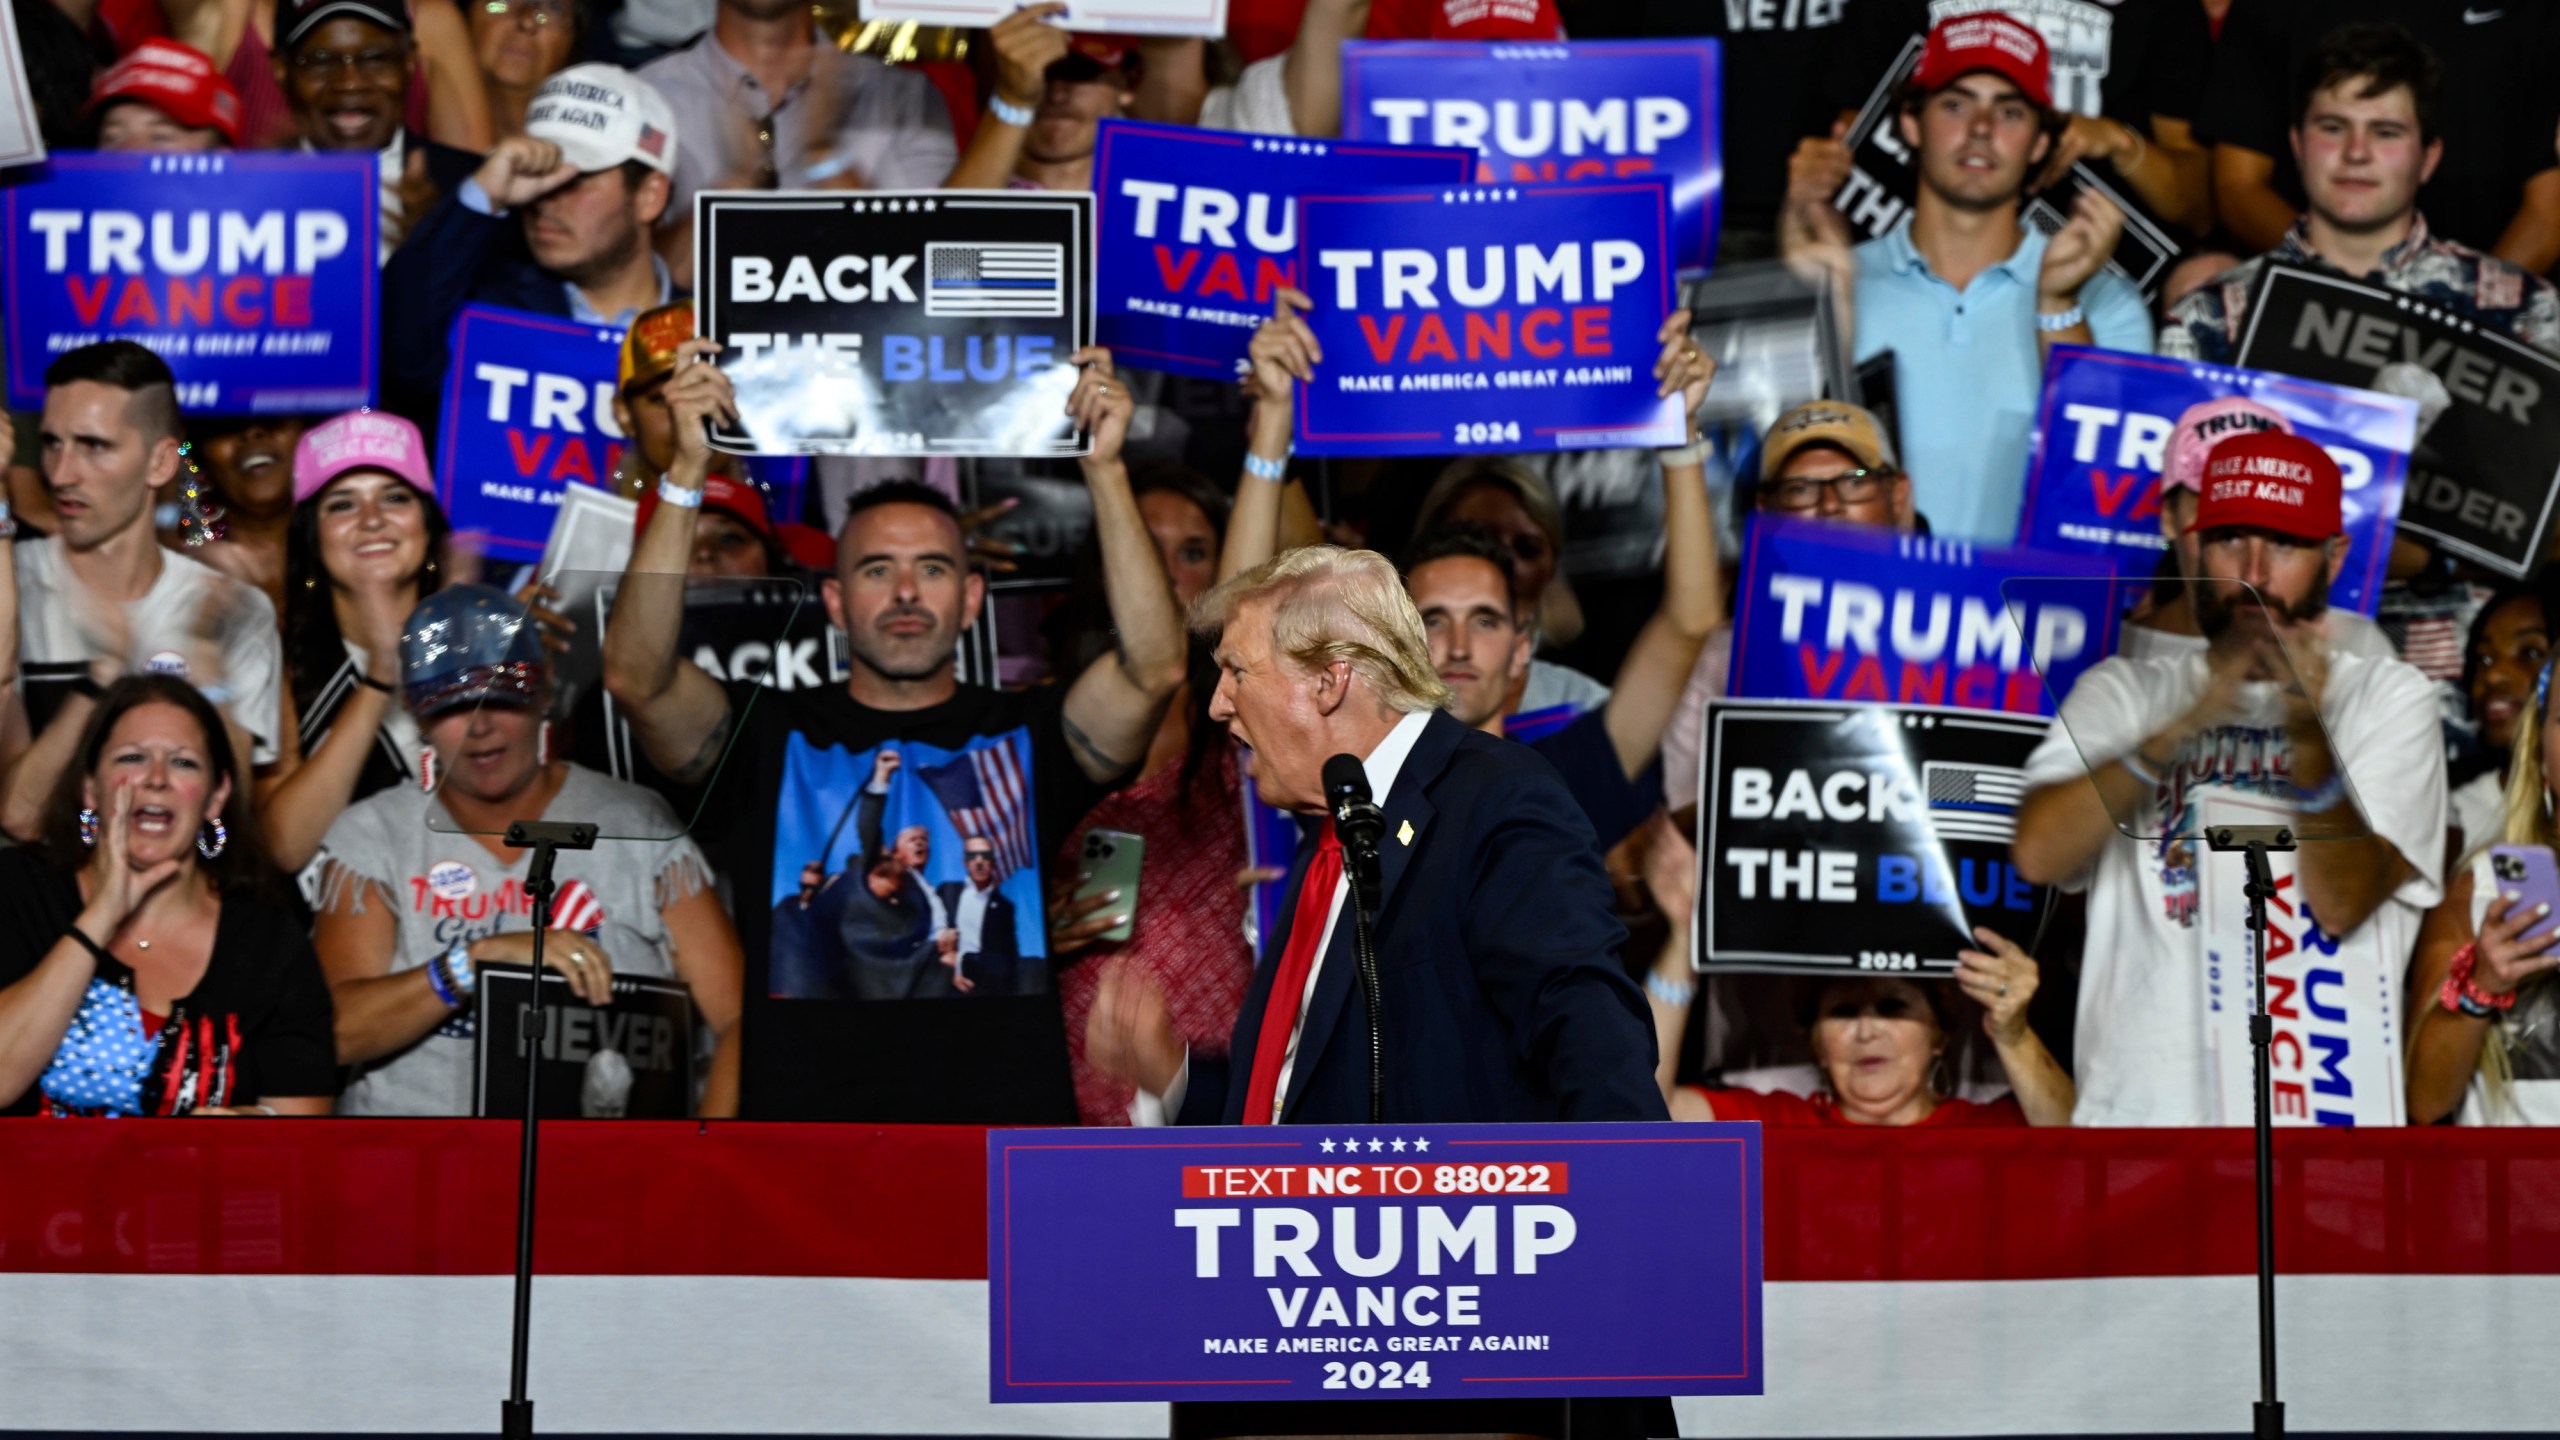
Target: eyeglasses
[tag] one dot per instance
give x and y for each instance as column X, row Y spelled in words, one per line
column 1804, row 492
column 382, row 65
column 542, row 13
column 973, row 856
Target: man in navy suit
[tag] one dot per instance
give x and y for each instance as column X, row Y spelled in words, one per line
column 556, row 220
column 985, row 944
column 1501, row 995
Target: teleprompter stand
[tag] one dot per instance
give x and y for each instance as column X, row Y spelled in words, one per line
column 2255, row 843
column 546, row 839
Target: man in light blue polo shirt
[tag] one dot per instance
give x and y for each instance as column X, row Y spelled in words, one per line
column 1966, row 297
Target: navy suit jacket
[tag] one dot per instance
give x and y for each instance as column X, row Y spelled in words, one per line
column 1497, row 942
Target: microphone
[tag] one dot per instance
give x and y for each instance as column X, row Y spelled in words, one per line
column 1356, row 818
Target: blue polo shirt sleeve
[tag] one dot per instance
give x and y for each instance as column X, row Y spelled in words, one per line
column 2117, row 317
column 1614, row 804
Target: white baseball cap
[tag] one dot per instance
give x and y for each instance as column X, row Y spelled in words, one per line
column 602, row 115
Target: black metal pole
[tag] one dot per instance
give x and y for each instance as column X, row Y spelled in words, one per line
column 516, row 1415
column 545, row 839
column 2268, row 1413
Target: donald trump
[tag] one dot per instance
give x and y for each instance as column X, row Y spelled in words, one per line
column 1501, row 995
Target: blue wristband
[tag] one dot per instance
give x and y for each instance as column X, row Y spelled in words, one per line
column 1261, row 469
column 436, row 982
column 1008, row 112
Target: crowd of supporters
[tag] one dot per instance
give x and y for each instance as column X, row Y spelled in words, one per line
column 256, row 749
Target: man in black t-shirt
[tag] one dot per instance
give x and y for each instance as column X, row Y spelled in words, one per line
column 801, row 807
column 2497, row 188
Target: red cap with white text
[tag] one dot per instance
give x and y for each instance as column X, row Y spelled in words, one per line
column 2271, row 481
column 1987, row 40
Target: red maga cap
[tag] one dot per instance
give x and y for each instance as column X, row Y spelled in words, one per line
column 1987, row 41
column 2271, row 481
column 178, row 81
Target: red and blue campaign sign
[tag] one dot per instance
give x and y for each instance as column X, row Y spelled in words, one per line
column 254, row 276
column 528, row 411
column 1486, row 318
column 1199, row 226
column 1586, row 113
column 2093, row 484
column 1842, row 612
column 1402, row 1262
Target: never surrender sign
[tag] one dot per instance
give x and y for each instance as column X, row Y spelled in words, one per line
column 1835, row 612
column 2093, row 484
column 2485, row 475
column 253, row 276
column 528, row 411
column 1858, row 837
column 1405, row 1262
column 897, row 322
column 1495, row 318
column 1588, row 113
column 1200, row 226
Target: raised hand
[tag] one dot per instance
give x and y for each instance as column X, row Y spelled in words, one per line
column 116, row 889
column 698, row 396
column 1682, row 367
column 520, row 169
column 1100, row 403
column 2002, row 978
column 1026, row 45
column 1130, row 1034
column 2076, row 251
column 2516, row 943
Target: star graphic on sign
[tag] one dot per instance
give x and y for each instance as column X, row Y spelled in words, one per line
column 1421, row 1144
column 1326, row 1146
column 1377, row 1145
column 1399, row 1146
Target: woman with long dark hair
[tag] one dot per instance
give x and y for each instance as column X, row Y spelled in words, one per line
column 146, row 967
column 360, row 554
column 1187, row 934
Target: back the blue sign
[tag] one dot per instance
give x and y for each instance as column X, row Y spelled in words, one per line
column 1199, row 227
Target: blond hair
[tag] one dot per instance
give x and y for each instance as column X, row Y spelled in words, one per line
column 1329, row 604
column 2528, row 821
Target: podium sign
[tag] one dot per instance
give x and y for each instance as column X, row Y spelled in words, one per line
column 1354, row 1262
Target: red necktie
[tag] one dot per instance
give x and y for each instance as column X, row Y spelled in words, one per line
column 1289, row 983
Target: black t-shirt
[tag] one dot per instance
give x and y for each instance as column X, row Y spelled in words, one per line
column 2496, row 113
column 257, row 1025
column 1775, row 55
column 2125, row 60
column 843, row 895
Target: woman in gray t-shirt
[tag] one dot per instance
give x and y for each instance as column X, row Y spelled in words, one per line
column 418, row 893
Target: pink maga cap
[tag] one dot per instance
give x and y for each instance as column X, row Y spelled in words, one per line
column 359, row 440
column 2206, row 425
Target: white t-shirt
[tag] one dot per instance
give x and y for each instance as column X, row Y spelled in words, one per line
column 2479, row 808
column 52, row 651
column 1257, row 104
column 2349, row 633
column 2142, row 1052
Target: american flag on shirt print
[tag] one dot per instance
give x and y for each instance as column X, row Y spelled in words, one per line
column 576, row 908
column 987, row 793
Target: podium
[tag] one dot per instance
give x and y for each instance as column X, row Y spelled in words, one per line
column 1322, row 1279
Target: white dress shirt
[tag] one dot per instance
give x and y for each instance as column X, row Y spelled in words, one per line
column 1382, row 765
column 972, row 919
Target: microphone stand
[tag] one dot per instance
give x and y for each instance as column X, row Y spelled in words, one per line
column 545, row 838
column 1361, row 850
column 2255, row 842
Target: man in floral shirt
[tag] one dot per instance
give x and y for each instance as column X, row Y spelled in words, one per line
column 2365, row 140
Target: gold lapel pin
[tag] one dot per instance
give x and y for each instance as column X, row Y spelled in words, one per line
column 1404, row 833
